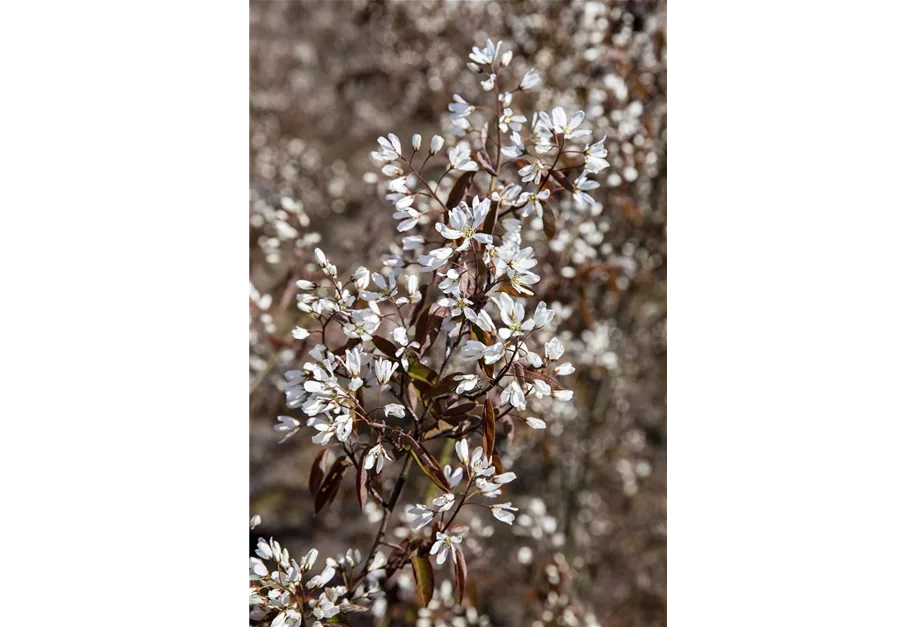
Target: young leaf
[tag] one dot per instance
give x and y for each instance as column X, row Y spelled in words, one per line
column 498, row 463
column 461, row 573
column 424, row 459
column 423, row 577
column 422, row 373
column 458, row 190
column 318, row 472
column 331, row 483
column 362, row 476
column 444, row 386
column 489, row 427
column 431, row 330
column 561, row 178
column 388, row 348
column 531, row 375
column 419, row 306
column 485, row 163
column 458, row 410
column 549, row 219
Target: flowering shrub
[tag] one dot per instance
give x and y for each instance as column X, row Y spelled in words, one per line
column 383, row 389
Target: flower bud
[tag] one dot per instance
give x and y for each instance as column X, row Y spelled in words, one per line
column 435, row 144
column 415, row 141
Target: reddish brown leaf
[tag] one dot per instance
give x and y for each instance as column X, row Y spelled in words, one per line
column 549, row 220
column 362, row 476
column 498, row 463
column 489, row 428
column 419, row 306
column 346, row 347
column 561, row 178
column 331, row 483
column 491, row 220
column 531, row 375
column 318, row 472
column 431, row 330
column 446, row 385
column 388, row 348
column 424, row 459
column 423, row 577
column 461, row 573
column 485, row 163
column 461, row 408
column 458, row 190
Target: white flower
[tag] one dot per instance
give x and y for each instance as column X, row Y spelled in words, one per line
column 375, row 457
column 436, row 259
column 458, row 304
column 488, row 84
column 533, row 172
column 444, row 502
column 595, row 156
column 453, row 476
column 287, row 618
column 415, row 141
column 553, row 348
column 384, row 370
column 563, row 395
column 512, row 314
column 482, row 320
column 530, row 80
column 436, row 143
column 320, row 256
column 364, row 324
column 504, row 512
column 542, row 315
column 564, row 369
column 255, row 521
column 320, row 580
column 467, row 383
column 412, row 242
column 535, row 423
column 390, row 148
column 309, row 560
column 464, row 223
column 459, row 109
column 461, row 449
column 506, row 58
column 478, row 465
column 394, row 409
column 487, row 55
column 561, row 126
column 325, row 605
column 521, row 280
column 409, row 218
column 515, row 149
column 582, row 185
column 474, row 350
column 460, row 159
column 287, row 425
column 509, row 121
column 299, row 333
column 444, row 542
column 388, row 288
column 514, row 395
column 422, row 516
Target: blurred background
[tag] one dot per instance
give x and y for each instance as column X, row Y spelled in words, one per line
column 328, row 77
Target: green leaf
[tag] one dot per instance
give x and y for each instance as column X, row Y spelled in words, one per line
column 420, row 372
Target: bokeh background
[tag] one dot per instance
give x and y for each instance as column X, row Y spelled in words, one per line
column 329, row 76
